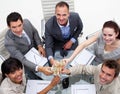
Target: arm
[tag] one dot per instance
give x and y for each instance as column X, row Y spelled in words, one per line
column 34, row 36
column 77, row 26
column 53, row 83
column 49, row 43
column 81, row 46
column 45, row 70
column 16, row 53
column 80, row 69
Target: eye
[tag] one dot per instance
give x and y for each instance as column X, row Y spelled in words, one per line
column 110, row 35
column 58, row 14
column 104, row 34
column 102, row 71
column 109, row 75
column 13, row 27
column 64, row 14
column 20, row 25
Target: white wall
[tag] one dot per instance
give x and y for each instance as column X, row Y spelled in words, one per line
column 93, row 12
column 30, row 9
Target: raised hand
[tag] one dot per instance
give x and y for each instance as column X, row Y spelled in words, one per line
column 45, row 70
column 57, row 67
column 66, row 61
column 65, row 71
column 53, row 83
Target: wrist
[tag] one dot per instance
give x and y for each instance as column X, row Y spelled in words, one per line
column 52, row 61
column 40, row 69
column 68, row 72
column 40, row 46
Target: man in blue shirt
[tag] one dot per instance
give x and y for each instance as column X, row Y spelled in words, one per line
column 61, row 33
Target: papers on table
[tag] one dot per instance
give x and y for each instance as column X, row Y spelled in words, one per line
column 83, row 89
column 35, row 86
column 84, row 57
column 34, row 56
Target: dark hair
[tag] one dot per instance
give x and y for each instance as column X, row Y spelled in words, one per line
column 62, row 4
column 13, row 17
column 114, row 25
column 10, row 65
column 112, row 64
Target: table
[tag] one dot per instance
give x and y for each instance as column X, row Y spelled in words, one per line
column 57, row 89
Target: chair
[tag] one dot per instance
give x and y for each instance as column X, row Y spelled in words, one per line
column 4, row 54
column 1, row 61
column 3, row 50
column 48, row 7
column 92, row 34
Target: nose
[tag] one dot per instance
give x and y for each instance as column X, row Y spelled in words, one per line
column 103, row 75
column 106, row 37
column 61, row 17
column 17, row 29
column 18, row 72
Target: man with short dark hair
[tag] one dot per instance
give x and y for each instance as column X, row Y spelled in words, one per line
column 106, row 76
column 20, row 38
column 61, row 33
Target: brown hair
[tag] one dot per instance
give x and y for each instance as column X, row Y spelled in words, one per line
column 13, row 17
column 112, row 64
column 114, row 25
column 10, row 65
column 62, row 4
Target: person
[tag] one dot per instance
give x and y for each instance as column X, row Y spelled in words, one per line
column 106, row 45
column 61, row 33
column 14, row 81
column 19, row 39
column 106, row 75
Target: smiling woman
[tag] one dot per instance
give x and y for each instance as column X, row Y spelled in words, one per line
column 13, row 81
column 106, row 46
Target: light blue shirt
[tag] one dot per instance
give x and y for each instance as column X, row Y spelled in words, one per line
column 65, row 33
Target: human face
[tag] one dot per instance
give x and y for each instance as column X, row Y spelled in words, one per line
column 16, row 27
column 62, row 14
column 109, row 35
column 106, row 75
column 16, row 76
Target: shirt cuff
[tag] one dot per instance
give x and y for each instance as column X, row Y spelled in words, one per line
column 36, row 69
column 73, row 40
column 50, row 57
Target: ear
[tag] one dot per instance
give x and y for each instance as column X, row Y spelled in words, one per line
column 115, row 77
column 117, row 34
